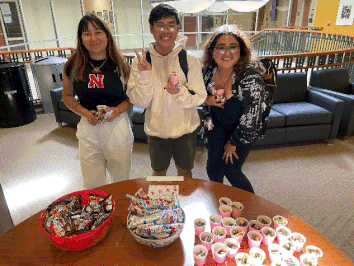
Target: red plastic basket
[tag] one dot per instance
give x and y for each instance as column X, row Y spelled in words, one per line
column 82, row 241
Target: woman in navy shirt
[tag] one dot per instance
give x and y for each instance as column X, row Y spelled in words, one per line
column 96, row 75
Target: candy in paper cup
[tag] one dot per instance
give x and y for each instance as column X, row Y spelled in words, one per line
column 219, row 233
column 264, row 220
column 207, row 239
column 200, row 253
column 242, row 259
column 314, row 251
column 257, row 256
column 279, row 221
column 291, row 261
column 269, row 234
column 298, row 240
column 224, row 201
column 308, row 260
column 215, row 220
column 274, row 251
column 233, row 246
column 237, row 208
column 242, row 223
column 237, row 233
column 283, row 233
column 174, row 77
column 199, row 226
column 254, row 225
column 287, row 248
column 225, row 210
column 254, row 239
column 227, row 223
column 219, row 252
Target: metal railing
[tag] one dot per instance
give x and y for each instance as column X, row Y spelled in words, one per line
column 28, row 56
column 291, row 41
column 294, row 50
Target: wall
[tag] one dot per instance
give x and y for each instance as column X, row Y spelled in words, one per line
column 39, row 22
column 326, row 10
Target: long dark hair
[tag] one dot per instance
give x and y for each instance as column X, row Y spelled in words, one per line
column 246, row 55
column 80, row 60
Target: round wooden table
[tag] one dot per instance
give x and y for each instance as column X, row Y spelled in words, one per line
column 26, row 244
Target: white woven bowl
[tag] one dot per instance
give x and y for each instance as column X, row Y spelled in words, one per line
column 157, row 243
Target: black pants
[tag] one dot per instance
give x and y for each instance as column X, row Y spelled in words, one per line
column 216, row 166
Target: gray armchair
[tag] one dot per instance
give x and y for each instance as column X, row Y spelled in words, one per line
column 335, row 82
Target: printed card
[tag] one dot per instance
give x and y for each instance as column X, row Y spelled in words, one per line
column 162, row 191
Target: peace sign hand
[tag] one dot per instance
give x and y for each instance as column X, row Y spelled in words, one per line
column 142, row 63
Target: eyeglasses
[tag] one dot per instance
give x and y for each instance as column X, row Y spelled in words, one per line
column 162, row 27
column 232, row 48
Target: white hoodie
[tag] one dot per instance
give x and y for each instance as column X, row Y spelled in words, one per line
column 167, row 115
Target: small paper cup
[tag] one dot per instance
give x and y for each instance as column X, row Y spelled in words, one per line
column 274, row 251
column 198, row 258
column 314, row 251
column 298, row 240
column 174, row 77
column 254, row 225
column 264, row 220
column 225, row 210
column 257, row 256
column 215, row 220
column 254, row 239
column 279, row 221
column 199, row 226
column 206, row 239
column 219, row 252
column 237, row 233
column 283, row 233
column 237, row 208
column 291, row 261
column 219, row 233
column 269, row 234
column 287, row 248
column 227, row 223
column 307, row 259
column 242, row 259
column 242, row 223
column 224, row 201
column 233, row 246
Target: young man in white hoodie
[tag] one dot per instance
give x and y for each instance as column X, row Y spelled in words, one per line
column 171, row 116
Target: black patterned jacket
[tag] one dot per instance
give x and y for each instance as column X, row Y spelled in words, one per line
column 249, row 88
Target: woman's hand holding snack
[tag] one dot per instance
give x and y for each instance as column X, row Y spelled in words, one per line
column 212, row 100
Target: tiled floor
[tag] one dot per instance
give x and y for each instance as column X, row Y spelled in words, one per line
column 39, row 163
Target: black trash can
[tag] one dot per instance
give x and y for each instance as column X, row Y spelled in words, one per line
column 16, row 105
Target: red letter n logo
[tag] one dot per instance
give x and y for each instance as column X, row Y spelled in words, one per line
column 96, row 81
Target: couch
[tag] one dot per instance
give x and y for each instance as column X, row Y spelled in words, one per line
column 335, row 82
column 298, row 114
column 64, row 115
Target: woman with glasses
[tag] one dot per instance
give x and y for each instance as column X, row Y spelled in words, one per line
column 233, row 119
column 96, row 75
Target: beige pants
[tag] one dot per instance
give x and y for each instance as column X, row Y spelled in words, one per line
column 105, row 147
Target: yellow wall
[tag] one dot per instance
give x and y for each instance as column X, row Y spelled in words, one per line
column 326, row 10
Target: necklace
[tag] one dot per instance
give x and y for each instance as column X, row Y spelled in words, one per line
column 222, row 80
column 97, row 69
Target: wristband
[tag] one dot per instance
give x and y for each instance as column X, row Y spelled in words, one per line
column 119, row 110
